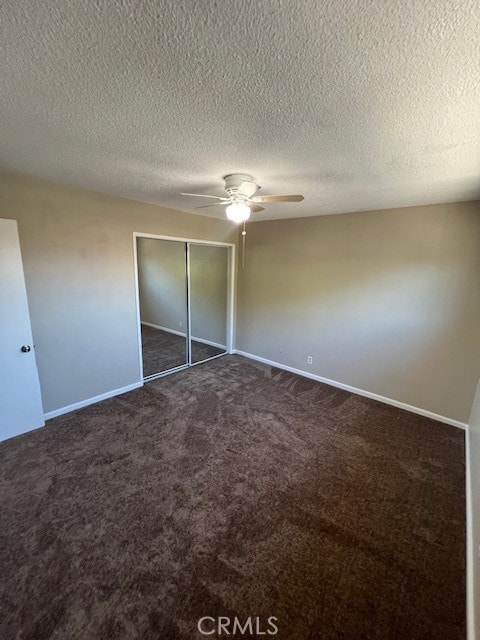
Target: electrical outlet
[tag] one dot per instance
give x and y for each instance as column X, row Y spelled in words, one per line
column 309, row 359
column 180, row 323
column 280, row 353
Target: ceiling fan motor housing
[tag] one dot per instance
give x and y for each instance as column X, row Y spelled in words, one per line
column 234, row 180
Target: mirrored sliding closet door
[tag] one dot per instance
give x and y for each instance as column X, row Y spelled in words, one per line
column 208, row 300
column 162, row 292
column 184, row 302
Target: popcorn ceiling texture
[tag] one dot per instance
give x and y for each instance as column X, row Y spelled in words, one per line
column 357, row 104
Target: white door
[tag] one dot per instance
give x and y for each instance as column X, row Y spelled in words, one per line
column 20, row 399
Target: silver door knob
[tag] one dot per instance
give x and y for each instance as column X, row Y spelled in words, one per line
column 26, row 348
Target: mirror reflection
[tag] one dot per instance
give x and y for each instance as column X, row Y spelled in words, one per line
column 163, row 304
column 208, row 274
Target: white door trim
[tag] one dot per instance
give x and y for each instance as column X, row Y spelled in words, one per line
column 189, row 306
column 137, row 308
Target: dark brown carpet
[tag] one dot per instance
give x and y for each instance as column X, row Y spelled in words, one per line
column 202, row 351
column 233, row 489
column 162, row 351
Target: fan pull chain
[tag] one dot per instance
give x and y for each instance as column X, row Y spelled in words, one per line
column 244, row 235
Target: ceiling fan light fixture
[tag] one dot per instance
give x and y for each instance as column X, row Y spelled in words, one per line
column 238, row 212
column 242, row 201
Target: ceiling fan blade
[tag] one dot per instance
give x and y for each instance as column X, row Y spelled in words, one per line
column 255, row 208
column 247, row 189
column 215, row 204
column 296, row 198
column 201, row 195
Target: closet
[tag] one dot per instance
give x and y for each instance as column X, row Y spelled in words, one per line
column 185, row 298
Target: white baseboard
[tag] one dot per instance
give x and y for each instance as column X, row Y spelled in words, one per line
column 88, row 401
column 157, row 326
column 184, row 335
column 359, row 392
column 470, row 564
column 212, row 344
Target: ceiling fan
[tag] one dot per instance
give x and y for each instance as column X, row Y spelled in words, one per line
column 242, row 201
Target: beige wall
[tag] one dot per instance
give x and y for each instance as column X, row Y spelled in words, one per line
column 385, row 301
column 77, row 249
column 162, row 283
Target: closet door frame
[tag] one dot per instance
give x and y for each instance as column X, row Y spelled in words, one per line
column 230, row 298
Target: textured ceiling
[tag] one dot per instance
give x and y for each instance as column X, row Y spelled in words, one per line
column 357, row 104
